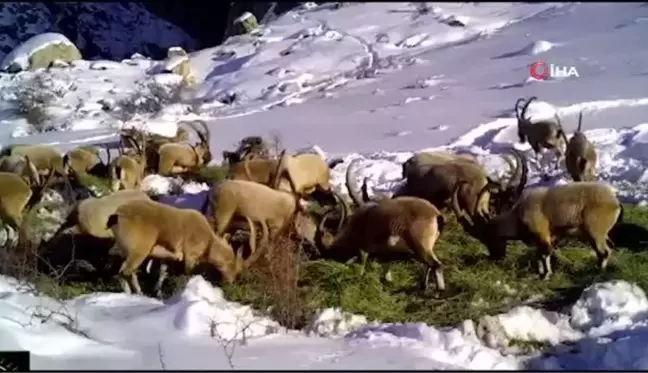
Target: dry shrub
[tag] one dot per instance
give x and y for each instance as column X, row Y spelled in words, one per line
column 277, row 272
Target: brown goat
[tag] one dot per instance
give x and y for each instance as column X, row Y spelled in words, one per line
column 145, row 229
column 543, row 214
column 438, row 181
column 177, row 158
column 402, row 225
column 18, row 196
column 548, row 134
column 580, row 157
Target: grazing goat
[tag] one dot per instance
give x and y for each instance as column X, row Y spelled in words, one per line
column 177, row 158
column 580, row 157
column 250, row 147
column 144, row 229
column 548, row 134
column 543, row 214
column 417, row 164
column 402, row 225
column 85, row 159
column 272, row 209
column 438, row 181
column 18, row 195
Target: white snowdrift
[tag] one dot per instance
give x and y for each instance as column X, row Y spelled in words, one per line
column 119, row 331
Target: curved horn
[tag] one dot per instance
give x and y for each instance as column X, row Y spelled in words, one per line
column 204, row 135
column 516, row 169
column 523, row 174
column 517, row 107
column 33, row 175
column 355, row 196
column 365, row 192
column 282, row 166
column 461, row 215
column 344, row 213
column 526, row 106
column 580, row 121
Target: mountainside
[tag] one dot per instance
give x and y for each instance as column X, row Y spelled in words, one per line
column 99, row 30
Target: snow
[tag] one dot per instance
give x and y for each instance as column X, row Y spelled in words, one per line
column 368, row 81
column 20, row 55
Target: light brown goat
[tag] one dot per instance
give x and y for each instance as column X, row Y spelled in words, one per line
column 151, row 143
column 144, row 229
column 580, row 157
column 543, row 214
column 18, row 196
column 548, row 134
column 46, row 158
column 179, row 158
column 128, row 170
column 306, row 172
column 89, row 216
column 83, row 159
column 402, row 225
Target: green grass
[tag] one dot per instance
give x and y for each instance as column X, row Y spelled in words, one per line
column 476, row 285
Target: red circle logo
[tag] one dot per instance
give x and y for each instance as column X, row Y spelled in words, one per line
column 539, row 70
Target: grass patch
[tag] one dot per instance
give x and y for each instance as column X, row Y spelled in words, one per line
column 290, row 289
column 210, row 174
column 476, row 285
column 98, row 185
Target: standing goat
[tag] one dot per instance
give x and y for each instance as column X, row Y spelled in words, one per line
column 250, row 147
column 548, row 134
column 580, row 157
column 435, row 182
column 542, row 214
column 177, row 158
column 127, row 170
column 144, row 229
column 402, row 225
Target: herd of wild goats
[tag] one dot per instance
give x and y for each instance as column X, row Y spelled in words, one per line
column 271, row 192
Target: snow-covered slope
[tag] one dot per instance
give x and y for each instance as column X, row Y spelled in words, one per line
column 372, row 81
column 114, row 30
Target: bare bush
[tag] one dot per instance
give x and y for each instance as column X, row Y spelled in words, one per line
column 150, row 96
column 34, row 96
column 278, row 272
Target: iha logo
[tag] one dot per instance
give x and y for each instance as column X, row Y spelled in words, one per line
column 543, row 71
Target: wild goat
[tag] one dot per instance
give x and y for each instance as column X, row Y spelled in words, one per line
column 250, row 147
column 85, row 159
column 546, row 134
column 46, row 158
column 542, row 214
column 302, row 174
column 127, row 171
column 402, row 225
column 153, row 143
column 18, row 195
column 179, row 158
column 144, row 229
column 417, row 164
column 272, row 209
column 438, row 181
column 90, row 216
column 580, row 157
